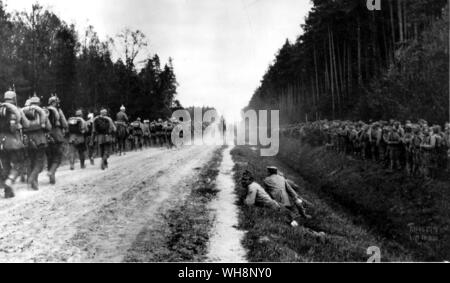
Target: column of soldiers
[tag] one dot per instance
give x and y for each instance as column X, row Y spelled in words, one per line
column 33, row 136
column 417, row 148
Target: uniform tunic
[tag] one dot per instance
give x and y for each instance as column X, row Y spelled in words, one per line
column 280, row 190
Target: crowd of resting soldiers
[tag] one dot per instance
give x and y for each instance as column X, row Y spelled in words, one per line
column 417, row 148
column 34, row 136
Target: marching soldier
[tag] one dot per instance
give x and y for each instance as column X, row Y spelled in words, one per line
column 153, row 134
column 122, row 130
column 137, row 132
column 103, row 130
column 90, row 144
column 159, row 128
column 77, row 142
column 147, row 133
column 35, row 139
column 23, row 123
column 56, row 137
column 168, row 129
column 11, row 146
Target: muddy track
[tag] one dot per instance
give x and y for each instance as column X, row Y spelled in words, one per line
column 93, row 215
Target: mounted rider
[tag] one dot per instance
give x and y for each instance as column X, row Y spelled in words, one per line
column 35, row 139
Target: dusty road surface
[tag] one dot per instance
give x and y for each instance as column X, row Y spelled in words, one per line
column 93, row 215
column 226, row 240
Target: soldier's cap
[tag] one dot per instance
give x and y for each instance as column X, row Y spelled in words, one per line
column 10, row 95
column 147, row 121
column 79, row 112
column 122, row 108
column 103, row 111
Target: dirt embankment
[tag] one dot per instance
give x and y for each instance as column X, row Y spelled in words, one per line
column 407, row 210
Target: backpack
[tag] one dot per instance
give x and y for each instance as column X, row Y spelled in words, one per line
column 102, row 125
column 4, row 120
column 75, row 126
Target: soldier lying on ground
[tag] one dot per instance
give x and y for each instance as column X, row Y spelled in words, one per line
column 258, row 196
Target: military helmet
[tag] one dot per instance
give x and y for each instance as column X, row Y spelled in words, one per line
column 34, row 100
column 53, row 99
column 10, row 95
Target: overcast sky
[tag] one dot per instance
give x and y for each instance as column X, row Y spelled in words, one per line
column 221, row 48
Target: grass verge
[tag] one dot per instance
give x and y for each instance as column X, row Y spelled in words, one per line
column 409, row 210
column 271, row 239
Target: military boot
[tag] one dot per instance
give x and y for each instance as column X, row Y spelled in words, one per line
column 52, row 174
column 30, row 181
column 9, row 192
column 34, row 185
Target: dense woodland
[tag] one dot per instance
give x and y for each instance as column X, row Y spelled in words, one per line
column 352, row 63
column 41, row 53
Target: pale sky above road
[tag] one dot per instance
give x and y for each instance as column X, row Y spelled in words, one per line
column 220, row 48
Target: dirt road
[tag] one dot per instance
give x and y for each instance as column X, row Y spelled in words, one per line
column 93, row 215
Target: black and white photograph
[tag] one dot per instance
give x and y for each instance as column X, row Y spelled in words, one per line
column 221, row 133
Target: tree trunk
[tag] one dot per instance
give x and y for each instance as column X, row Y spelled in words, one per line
column 331, row 75
column 359, row 51
column 400, row 19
